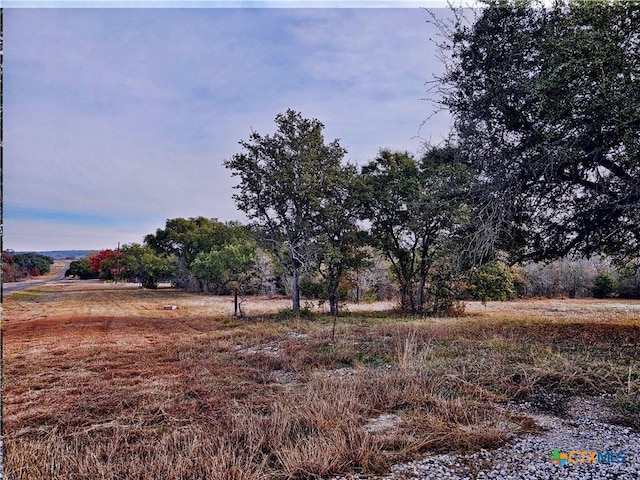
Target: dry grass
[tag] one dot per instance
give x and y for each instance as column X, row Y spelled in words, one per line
column 101, row 382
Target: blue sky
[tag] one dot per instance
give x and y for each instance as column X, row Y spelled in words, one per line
column 118, row 119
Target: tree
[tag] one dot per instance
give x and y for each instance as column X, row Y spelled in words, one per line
column 339, row 240
column 629, row 280
column 392, row 185
column 603, row 286
column 230, row 265
column 414, row 208
column 11, row 271
column 492, row 281
column 546, row 106
column 21, row 265
column 142, row 264
column 81, row 269
column 106, row 264
column 184, row 239
column 282, row 180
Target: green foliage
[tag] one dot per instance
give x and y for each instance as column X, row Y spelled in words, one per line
column 444, row 286
column 19, row 266
column 603, row 286
column 230, row 265
column 629, row 280
column 415, row 209
column 287, row 184
column 311, row 288
column 182, row 240
column 339, row 241
column 546, row 107
column 34, row 263
column 140, row 263
column 492, row 281
column 81, row 269
column 186, row 238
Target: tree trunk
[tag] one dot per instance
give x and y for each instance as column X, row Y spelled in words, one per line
column 332, row 293
column 420, row 306
column 425, row 264
column 235, row 301
column 408, row 296
column 333, row 282
column 295, row 292
column 404, row 297
column 333, row 305
column 412, row 298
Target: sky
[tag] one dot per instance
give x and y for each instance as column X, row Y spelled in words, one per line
column 116, row 120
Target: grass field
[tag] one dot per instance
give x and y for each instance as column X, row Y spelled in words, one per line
column 101, row 382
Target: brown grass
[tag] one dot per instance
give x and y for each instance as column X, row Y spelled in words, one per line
column 101, row 382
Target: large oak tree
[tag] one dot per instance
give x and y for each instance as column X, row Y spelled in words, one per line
column 284, row 178
column 546, row 105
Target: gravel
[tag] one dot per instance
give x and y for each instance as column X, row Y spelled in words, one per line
column 583, row 428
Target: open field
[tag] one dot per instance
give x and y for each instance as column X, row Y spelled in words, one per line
column 101, row 382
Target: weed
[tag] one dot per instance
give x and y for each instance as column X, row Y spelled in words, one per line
column 110, row 386
column 626, row 410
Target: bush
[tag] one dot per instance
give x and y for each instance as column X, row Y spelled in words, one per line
column 628, row 285
column 81, row 269
column 603, row 286
column 310, row 288
column 493, row 281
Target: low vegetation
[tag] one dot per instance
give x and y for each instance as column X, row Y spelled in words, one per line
column 101, row 382
column 21, row 266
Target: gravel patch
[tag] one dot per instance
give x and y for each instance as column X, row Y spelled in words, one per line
column 583, row 428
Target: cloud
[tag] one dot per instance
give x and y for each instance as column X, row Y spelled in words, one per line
column 127, row 115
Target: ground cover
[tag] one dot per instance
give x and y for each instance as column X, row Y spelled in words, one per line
column 101, row 382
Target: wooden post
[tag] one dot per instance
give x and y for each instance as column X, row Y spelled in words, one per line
column 235, row 301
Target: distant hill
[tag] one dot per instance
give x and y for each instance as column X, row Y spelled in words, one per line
column 64, row 254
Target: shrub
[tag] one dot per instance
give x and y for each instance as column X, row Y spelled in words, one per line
column 493, row 281
column 81, row 269
column 603, row 286
column 311, row 288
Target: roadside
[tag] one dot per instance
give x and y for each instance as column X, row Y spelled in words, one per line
column 57, row 272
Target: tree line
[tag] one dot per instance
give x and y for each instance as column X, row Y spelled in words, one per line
column 20, row 266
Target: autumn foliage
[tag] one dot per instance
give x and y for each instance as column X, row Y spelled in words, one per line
column 19, row 266
column 105, row 263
